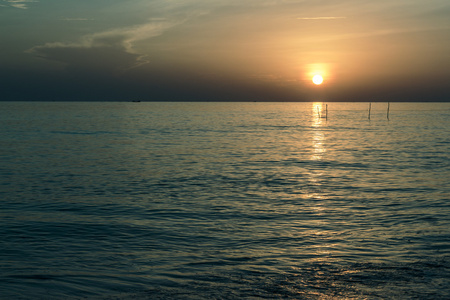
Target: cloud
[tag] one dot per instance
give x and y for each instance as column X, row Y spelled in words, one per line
column 75, row 19
column 320, row 18
column 22, row 4
column 112, row 50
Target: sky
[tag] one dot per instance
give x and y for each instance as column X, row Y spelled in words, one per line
column 225, row 50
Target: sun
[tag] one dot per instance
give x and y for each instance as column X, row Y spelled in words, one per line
column 317, row 79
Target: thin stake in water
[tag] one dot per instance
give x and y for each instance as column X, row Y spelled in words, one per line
column 370, row 107
column 321, row 115
column 387, row 113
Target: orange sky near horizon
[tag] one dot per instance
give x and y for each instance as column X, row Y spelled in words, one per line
column 256, row 49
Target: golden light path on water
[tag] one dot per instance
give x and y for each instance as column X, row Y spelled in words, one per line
column 318, row 138
column 323, row 250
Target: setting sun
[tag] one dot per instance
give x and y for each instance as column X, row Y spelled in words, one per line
column 317, row 79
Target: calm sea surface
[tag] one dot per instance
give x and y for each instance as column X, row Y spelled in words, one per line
column 224, row 201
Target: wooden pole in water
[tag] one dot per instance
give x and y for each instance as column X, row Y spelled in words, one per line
column 318, row 112
column 326, row 111
column 370, row 107
column 387, row 113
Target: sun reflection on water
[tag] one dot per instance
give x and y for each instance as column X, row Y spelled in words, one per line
column 318, row 138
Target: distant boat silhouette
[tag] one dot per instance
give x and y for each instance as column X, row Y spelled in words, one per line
column 136, row 101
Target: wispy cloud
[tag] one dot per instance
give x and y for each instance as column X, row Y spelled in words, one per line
column 22, row 4
column 108, row 50
column 320, row 18
column 75, row 19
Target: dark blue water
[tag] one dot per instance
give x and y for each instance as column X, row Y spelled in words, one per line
column 224, row 201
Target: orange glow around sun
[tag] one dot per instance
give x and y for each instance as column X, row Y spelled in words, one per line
column 318, row 73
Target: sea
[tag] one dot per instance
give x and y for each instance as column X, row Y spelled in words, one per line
column 230, row 200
